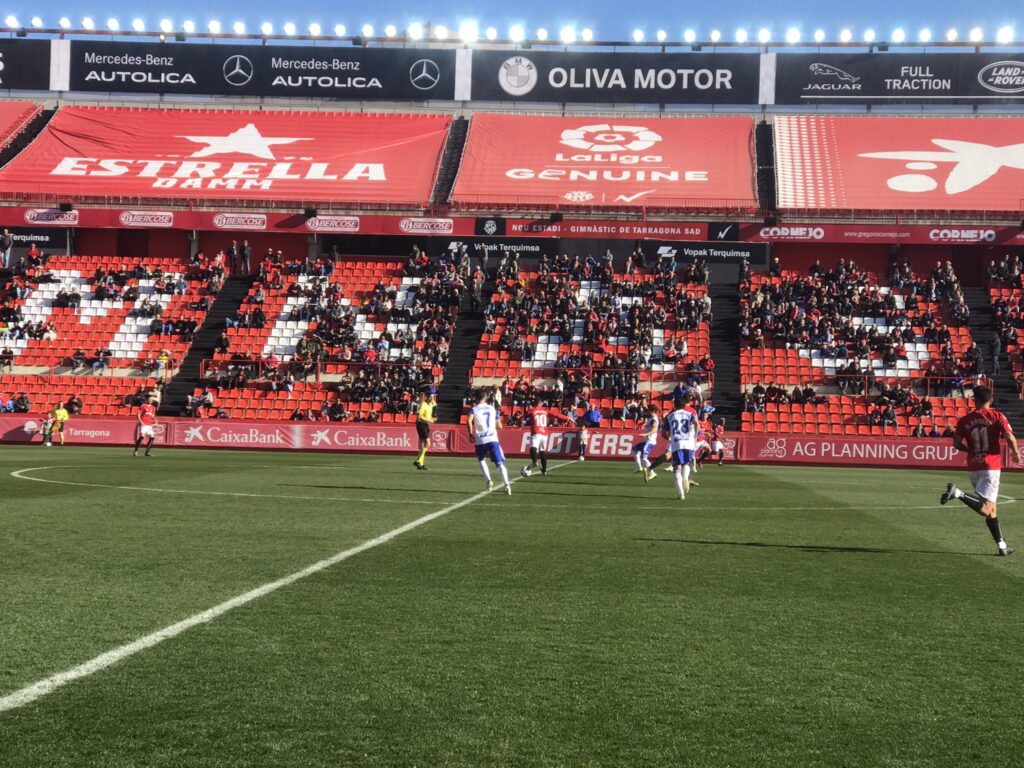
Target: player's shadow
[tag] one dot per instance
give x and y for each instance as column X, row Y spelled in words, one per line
column 417, row 491
column 824, row 548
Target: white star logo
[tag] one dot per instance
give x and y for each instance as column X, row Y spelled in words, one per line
column 975, row 164
column 244, row 141
column 320, row 437
column 194, row 433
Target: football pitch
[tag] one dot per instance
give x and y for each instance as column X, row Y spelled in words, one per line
column 777, row 617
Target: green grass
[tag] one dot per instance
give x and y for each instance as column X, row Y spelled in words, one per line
column 779, row 617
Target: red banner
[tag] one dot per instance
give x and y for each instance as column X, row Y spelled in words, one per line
column 184, row 154
column 886, row 234
column 900, row 163
column 695, row 163
column 13, row 116
column 892, row 452
column 79, row 430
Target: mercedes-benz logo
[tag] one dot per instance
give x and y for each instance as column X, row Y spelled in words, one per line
column 238, row 70
column 424, row 74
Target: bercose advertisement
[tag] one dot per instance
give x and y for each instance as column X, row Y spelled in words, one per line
column 335, row 72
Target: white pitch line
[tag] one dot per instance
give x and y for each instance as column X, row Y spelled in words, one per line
column 37, row 690
column 19, row 474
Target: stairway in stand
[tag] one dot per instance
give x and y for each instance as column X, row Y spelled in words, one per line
column 230, row 298
column 982, row 331
column 725, row 341
column 461, row 356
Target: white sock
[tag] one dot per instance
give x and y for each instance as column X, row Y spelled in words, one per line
column 485, row 470
column 679, row 481
column 957, row 493
column 1001, row 544
column 639, row 460
column 504, row 473
column 686, row 474
column 647, row 463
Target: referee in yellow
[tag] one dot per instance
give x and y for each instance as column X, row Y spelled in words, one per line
column 59, row 415
column 424, row 418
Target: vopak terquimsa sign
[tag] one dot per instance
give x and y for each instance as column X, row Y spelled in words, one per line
column 899, row 78
column 660, row 78
column 405, row 74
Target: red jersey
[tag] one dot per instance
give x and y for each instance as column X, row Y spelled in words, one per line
column 719, row 432
column 147, row 414
column 540, row 418
column 981, row 431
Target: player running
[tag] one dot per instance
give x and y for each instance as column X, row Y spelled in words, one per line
column 977, row 434
column 718, row 441
column 540, row 418
column 147, row 427
column 483, row 424
column 58, row 418
column 582, row 436
column 702, row 448
column 680, row 430
column 642, row 450
column 424, row 418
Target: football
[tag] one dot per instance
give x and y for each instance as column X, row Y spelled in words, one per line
column 525, row 472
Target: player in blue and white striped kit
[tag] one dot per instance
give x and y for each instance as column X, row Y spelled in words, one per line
column 483, row 423
column 680, row 429
column 642, row 450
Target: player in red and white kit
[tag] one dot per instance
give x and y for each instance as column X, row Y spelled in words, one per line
column 540, row 419
column 147, row 427
column 978, row 435
column 718, row 441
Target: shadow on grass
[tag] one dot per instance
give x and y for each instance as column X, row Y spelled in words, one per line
column 378, row 489
column 814, row 547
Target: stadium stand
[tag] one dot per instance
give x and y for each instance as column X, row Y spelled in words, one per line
column 1008, row 310
column 837, row 351
column 14, row 117
column 335, row 338
column 580, row 333
column 104, row 325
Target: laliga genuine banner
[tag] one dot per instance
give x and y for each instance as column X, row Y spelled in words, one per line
column 633, row 78
column 298, row 156
column 329, row 72
column 899, row 163
column 899, row 78
column 621, row 162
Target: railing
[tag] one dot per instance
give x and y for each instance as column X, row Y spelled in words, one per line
column 261, row 369
column 50, row 372
column 652, row 384
column 554, row 202
column 929, row 386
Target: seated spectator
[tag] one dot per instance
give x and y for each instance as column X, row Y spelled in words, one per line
column 73, row 405
column 22, row 404
column 592, row 417
column 102, row 359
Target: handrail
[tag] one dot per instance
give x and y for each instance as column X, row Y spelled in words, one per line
column 932, row 384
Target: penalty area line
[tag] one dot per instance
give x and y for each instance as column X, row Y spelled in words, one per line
column 44, row 687
column 20, row 475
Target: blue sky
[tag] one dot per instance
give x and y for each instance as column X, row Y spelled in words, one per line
column 610, row 20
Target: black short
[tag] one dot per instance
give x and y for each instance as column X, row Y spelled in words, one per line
column 423, row 430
